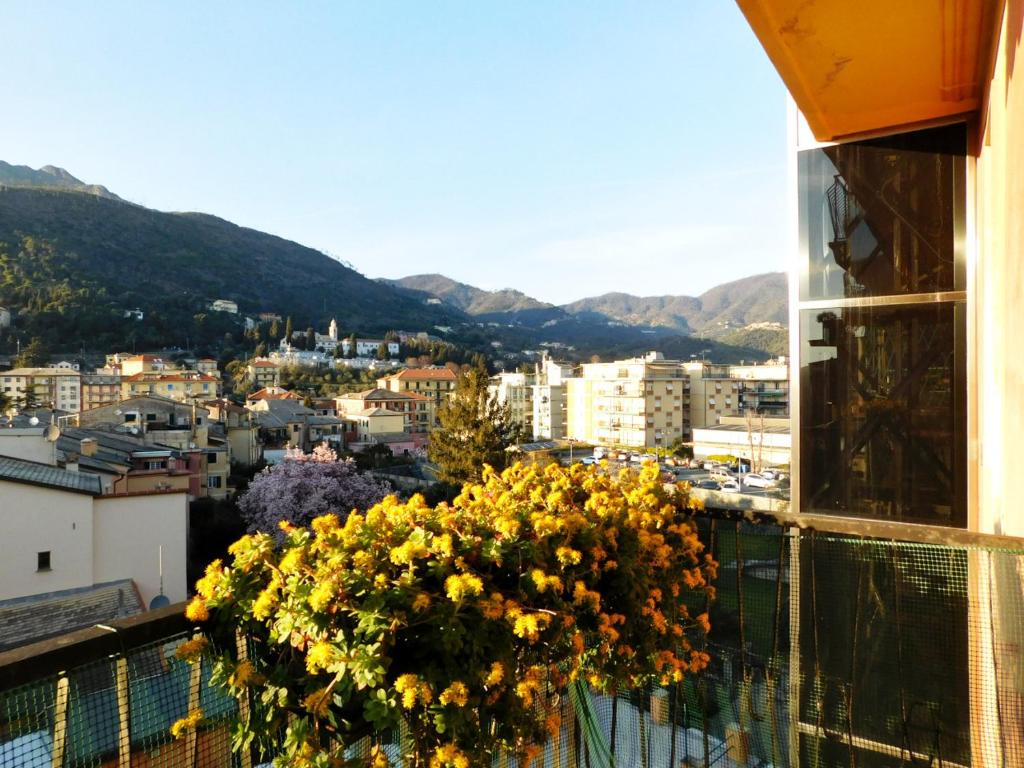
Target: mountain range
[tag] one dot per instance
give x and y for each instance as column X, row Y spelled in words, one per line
column 750, row 308
column 74, row 257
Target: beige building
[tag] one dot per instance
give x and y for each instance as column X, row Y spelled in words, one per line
column 239, row 428
column 263, row 373
column 58, row 388
column 181, row 385
column 418, row 410
column 100, row 389
column 132, row 364
column 732, row 390
column 636, row 403
column 435, row 383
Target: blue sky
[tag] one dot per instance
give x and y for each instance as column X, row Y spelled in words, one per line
column 565, row 149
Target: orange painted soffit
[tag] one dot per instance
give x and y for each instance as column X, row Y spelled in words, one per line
column 858, row 67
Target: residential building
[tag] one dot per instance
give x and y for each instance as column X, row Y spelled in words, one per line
column 181, row 385
column 287, row 423
column 270, row 317
column 71, row 535
column 100, row 389
column 208, row 366
column 240, row 429
column 905, row 306
column 637, row 403
column 263, row 373
column 166, row 423
column 270, row 393
column 418, row 410
column 58, row 388
column 129, row 365
column 436, row 383
column 66, row 365
column 369, row 347
column 550, row 398
column 379, row 426
column 516, row 391
column 224, row 305
column 731, row 390
column 5, row 317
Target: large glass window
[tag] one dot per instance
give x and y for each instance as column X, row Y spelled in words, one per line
column 883, row 217
column 882, row 319
column 882, row 431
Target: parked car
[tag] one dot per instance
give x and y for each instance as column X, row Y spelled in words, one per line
column 600, row 453
column 730, row 486
column 708, row 464
column 755, row 480
column 722, row 472
column 589, row 460
column 709, row 485
column 623, row 457
column 773, row 474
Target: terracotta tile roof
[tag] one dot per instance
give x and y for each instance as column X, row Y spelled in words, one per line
column 264, row 364
column 435, row 374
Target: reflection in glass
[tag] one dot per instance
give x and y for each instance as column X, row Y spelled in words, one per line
column 881, row 424
column 880, row 217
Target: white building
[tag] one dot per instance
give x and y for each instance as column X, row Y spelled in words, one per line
column 58, row 388
column 516, row 391
column 734, row 436
column 550, row 399
column 224, row 305
column 59, row 532
column 5, row 317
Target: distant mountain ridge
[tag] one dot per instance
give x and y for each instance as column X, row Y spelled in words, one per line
column 49, row 177
column 717, row 312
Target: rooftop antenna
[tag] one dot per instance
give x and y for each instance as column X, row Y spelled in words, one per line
column 161, row 600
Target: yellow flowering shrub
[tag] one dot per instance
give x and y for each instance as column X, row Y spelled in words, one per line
column 463, row 620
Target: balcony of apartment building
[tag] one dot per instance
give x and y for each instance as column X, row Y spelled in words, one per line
column 913, row 666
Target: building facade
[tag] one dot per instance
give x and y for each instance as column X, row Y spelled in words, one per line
column 550, row 399
column 58, row 388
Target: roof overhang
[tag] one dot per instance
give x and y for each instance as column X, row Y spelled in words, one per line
column 879, row 66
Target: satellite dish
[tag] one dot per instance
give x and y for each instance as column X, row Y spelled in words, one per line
column 134, row 430
column 160, row 601
column 34, row 421
column 52, row 433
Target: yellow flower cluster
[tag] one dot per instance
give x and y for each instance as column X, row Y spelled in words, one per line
column 245, row 674
column 457, row 693
column 318, row 702
column 448, row 756
column 460, row 586
column 543, row 581
column 545, row 574
column 495, row 675
column 192, row 650
column 413, row 689
column 190, row 722
column 196, row 610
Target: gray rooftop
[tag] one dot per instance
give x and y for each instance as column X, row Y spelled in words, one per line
column 29, row 619
column 33, row 473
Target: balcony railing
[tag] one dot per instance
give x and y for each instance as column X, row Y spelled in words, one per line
column 830, row 647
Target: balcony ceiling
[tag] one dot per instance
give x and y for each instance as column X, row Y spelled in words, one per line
column 857, row 67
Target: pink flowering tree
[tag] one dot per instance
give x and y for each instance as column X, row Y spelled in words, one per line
column 305, row 486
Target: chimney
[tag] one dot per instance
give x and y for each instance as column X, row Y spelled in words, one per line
column 88, row 446
column 71, row 462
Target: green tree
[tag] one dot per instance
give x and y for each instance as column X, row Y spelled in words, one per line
column 382, row 351
column 351, row 347
column 275, row 331
column 475, row 429
column 261, row 350
column 288, row 330
column 32, row 355
column 310, row 338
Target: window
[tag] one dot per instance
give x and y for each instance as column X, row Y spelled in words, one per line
column 212, row 458
column 43, row 561
column 883, row 385
column 213, row 482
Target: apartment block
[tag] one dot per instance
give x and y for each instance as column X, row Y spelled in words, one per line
column 181, row 385
column 436, row 383
column 516, row 391
column 58, row 388
column 100, row 389
column 642, row 402
column 550, row 399
column 717, row 391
